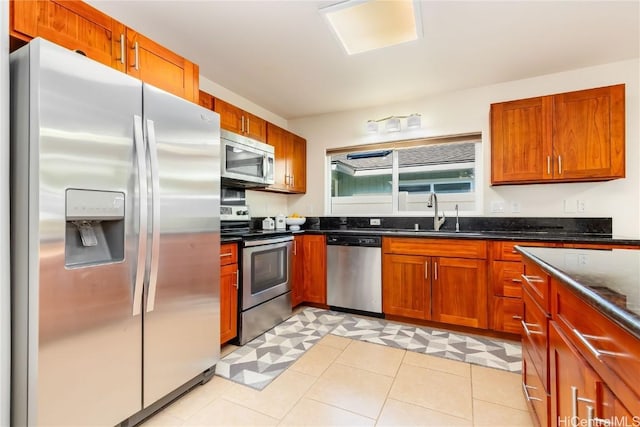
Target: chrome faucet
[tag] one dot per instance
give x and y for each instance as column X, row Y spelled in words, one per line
column 432, row 202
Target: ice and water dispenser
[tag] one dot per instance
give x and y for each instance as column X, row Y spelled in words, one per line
column 94, row 227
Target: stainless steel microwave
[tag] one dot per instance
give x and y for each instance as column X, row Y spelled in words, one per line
column 245, row 161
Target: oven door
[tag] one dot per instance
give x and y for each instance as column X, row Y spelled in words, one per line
column 266, row 268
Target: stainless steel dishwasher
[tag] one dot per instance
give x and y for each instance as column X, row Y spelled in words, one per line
column 354, row 273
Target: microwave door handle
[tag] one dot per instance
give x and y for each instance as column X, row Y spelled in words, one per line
column 265, row 167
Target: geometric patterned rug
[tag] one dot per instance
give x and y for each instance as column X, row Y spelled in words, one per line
column 260, row 361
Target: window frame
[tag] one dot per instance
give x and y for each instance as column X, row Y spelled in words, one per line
column 478, row 192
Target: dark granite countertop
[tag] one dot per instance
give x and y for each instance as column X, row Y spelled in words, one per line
column 608, row 280
column 543, row 236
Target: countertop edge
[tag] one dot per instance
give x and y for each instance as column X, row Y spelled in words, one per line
column 608, row 309
column 490, row 235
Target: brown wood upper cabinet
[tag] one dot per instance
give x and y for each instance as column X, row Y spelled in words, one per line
column 291, row 160
column 239, row 121
column 568, row 137
column 205, row 100
column 78, row 26
column 158, row 66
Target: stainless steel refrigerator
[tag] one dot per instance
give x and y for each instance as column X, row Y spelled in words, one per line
column 115, row 241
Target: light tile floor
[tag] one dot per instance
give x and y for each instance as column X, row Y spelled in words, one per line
column 345, row 382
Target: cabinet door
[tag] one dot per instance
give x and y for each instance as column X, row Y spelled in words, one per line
column 160, row 67
column 71, row 24
column 230, row 115
column 521, row 141
column 205, row 100
column 315, row 269
column 297, row 271
column 297, row 164
column 228, row 302
column 279, row 139
column 460, row 291
column 255, row 127
column 588, row 127
column 572, row 390
column 406, row 286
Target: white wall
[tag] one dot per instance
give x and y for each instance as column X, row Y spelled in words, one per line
column 468, row 111
column 5, row 303
column 225, row 94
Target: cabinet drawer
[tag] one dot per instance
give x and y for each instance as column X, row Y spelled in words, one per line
column 507, row 314
column 228, row 253
column 534, row 392
column 535, row 334
column 476, row 249
column 613, row 352
column 505, row 251
column 537, row 282
column 507, row 278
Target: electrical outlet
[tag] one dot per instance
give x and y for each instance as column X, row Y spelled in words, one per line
column 515, row 207
column 497, row 206
column 374, row 221
column 570, row 205
column 582, row 206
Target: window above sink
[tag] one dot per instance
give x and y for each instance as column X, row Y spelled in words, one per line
column 396, row 178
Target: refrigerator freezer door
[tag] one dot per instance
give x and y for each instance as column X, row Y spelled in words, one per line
column 182, row 314
column 77, row 345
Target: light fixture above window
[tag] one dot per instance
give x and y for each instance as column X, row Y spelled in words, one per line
column 362, row 26
column 394, row 124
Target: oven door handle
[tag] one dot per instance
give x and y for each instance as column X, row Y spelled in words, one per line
column 250, row 243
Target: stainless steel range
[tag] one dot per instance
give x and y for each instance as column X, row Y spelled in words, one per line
column 265, row 291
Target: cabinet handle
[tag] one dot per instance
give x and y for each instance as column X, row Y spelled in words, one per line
column 235, row 285
column 122, row 48
column 516, row 280
column 548, row 165
column 560, row 165
column 435, row 270
column 528, row 331
column 513, row 251
column 516, row 317
column 574, row 402
column 526, row 393
column 242, row 124
column 426, row 269
column 532, row 279
column 291, row 180
column 295, row 247
column 593, row 421
column 597, row 353
column 136, row 56
column 248, row 125
column 226, row 254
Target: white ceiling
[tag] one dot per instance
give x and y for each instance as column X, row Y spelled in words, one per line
column 283, row 56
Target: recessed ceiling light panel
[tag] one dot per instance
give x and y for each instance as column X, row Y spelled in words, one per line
column 362, row 26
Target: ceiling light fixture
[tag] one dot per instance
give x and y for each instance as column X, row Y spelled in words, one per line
column 367, row 25
column 393, row 123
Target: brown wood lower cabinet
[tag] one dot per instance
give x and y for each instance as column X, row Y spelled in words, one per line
column 297, row 271
column 580, row 396
column 459, row 291
column 309, row 270
column 407, row 286
column 435, row 279
column 228, row 292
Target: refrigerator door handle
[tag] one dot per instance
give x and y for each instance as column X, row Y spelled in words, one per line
column 142, row 200
column 155, row 215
